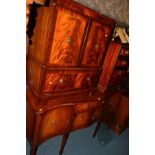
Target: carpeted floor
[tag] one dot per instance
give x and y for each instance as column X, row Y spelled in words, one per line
column 81, row 142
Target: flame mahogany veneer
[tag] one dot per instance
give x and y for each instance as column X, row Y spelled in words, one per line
column 64, row 62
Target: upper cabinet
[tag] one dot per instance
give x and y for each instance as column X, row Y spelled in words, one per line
column 68, row 35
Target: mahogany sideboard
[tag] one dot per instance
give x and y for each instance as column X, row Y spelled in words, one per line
column 67, row 47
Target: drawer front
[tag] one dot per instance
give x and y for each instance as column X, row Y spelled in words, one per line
column 56, row 82
column 81, row 120
column 55, row 122
column 68, row 36
column 62, row 81
column 96, row 44
column 86, row 80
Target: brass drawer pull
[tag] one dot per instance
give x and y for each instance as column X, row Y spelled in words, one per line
column 61, row 81
column 106, row 35
column 99, row 98
column 40, row 110
column 50, row 83
column 68, row 121
column 90, row 93
column 69, row 40
column 88, row 78
column 96, row 46
column 53, row 123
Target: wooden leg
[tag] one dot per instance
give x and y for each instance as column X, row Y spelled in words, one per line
column 33, row 151
column 97, row 127
column 64, row 140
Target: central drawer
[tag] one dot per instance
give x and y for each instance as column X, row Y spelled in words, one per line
column 61, row 81
column 48, row 81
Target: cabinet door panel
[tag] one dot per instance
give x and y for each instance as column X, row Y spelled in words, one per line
column 96, row 44
column 67, row 39
column 55, row 122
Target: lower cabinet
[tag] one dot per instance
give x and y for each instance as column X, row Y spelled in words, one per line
column 55, row 118
column 55, row 122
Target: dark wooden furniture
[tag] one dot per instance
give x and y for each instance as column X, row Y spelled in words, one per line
column 68, row 44
column 116, row 112
column 121, row 67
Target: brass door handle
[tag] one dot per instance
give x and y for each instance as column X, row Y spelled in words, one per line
column 69, row 40
column 61, row 81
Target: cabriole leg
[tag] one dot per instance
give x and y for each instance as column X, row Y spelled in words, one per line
column 33, row 151
column 64, row 140
column 97, row 127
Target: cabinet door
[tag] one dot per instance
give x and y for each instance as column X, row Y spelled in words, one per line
column 55, row 122
column 68, row 36
column 96, row 44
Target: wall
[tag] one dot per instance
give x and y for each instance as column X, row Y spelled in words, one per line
column 116, row 9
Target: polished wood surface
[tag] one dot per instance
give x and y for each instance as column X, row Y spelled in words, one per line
column 33, row 74
column 67, row 46
column 55, row 122
column 67, row 38
column 63, row 115
column 121, row 68
column 96, row 44
column 117, row 112
column 108, row 65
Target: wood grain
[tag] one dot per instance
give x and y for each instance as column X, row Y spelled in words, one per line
column 108, row 65
column 67, row 38
column 63, row 68
column 96, row 44
column 69, row 80
column 33, row 74
column 59, row 82
column 41, row 34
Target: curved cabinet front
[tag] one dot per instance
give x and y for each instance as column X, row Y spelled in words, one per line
column 55, row 122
